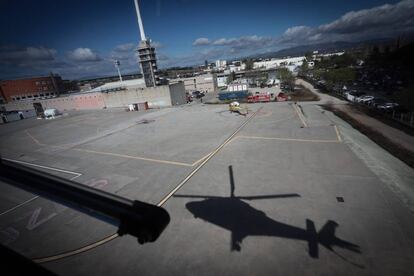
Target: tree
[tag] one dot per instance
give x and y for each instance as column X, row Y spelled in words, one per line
column 231, row 77
column 249, row 63
column 286, row 77
column 309, row 56
column 340, row 75
column 304, row 68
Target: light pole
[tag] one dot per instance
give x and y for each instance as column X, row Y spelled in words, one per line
column 117, row 63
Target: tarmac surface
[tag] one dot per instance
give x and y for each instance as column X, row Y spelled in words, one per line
column 287, row 195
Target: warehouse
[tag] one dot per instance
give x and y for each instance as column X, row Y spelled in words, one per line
column 111, row 95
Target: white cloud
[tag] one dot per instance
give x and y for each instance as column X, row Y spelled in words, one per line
column 83, row 55
column 157, row 45
column 244, row 42
column 10, row 54
column 202, row 41
column 125, row 47
column 378, row 22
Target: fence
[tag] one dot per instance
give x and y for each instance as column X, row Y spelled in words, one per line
column 406, row 118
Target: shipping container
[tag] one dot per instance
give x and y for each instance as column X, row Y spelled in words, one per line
column 236, row 95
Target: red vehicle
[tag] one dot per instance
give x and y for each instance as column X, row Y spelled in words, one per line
column 259, row 98
column 281, row 97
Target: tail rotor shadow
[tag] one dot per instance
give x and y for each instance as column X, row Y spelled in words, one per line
column 242, row 220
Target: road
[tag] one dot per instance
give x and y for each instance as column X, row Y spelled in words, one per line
column 286, row 195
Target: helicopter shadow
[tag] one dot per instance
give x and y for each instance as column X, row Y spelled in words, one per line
column 234, row 214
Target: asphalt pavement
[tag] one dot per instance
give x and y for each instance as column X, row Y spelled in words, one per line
column 287, row 195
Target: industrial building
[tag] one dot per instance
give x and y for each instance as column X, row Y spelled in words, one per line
column 31, row 88
column 111, row 95
column 205, row 83
column 221, row 80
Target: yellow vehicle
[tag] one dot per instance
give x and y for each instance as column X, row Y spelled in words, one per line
column 235, row 107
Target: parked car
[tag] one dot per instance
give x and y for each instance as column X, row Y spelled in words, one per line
column 377, row 101
column 352, row 96
column 198, row 94
column 51, row 113
column 364, row 99
column 387, row 107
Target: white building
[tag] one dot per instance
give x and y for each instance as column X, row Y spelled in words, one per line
column 233, row 87
column 239, row 85
column 204, row 82
column 276, row 62
column 221, row 81
column 221, row 64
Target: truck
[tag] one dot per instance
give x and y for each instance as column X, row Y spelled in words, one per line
column 259, row 98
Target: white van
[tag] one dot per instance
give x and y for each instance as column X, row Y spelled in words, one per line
column 51, row 113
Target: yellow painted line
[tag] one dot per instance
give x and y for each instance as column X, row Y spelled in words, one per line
column 201, row 159
column 75, row 252
column 228, row 140
column 338, row 134
column 168, row 196
column 41, row 144
column 122, row 155
column 135, row 157
column 301, row 116
column 287, row 139
column 299, row 113
column 33, row 138
column 266, row 114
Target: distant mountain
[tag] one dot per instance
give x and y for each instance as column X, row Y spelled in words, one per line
column 321, row 47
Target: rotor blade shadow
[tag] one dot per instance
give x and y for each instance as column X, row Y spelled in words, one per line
column 267, row 196
column 197, row 196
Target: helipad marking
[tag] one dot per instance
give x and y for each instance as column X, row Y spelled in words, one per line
column 165, row 199
column 76, row 175
column 338, row 134
column 300, row 115
column 135, row 157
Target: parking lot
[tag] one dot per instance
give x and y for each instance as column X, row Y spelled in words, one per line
column 285, row 195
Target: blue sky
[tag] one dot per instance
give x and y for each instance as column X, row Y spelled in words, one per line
column 81, row 38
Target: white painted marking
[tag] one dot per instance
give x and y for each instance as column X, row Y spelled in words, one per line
column 18, row 206
column 35, row 197
column 8, row 235
column 43, row 167
column 33, row 222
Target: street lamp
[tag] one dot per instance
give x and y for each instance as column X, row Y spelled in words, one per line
column 117, row 63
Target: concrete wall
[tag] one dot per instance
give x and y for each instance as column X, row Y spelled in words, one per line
column 70, row 102
column 177, row 91
column 159, row 96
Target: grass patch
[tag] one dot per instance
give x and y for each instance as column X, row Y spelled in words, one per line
column 394, row 148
